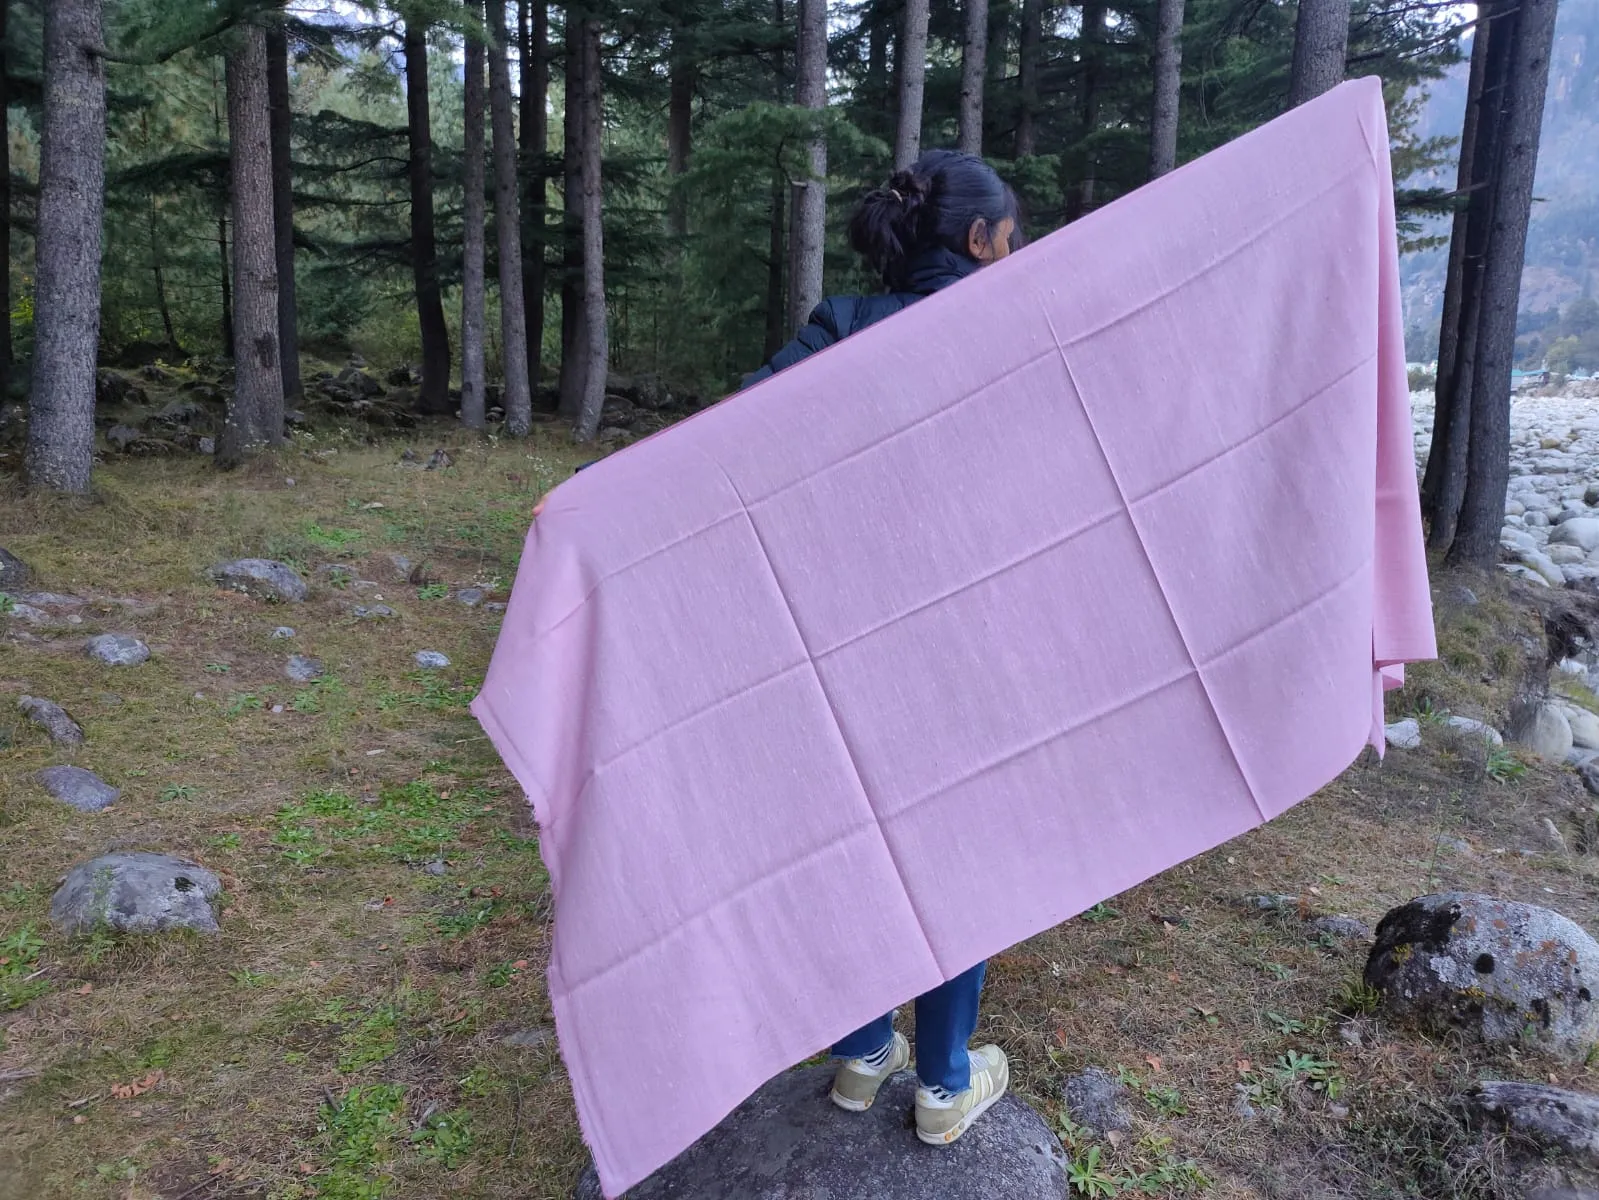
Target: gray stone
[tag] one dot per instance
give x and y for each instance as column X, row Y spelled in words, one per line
column 1096, row 1099
column 1476, row 728
column 1589, row 773
column 53, row 719
column 262, row 578
column 1583, row 532
column 1403, row 735
column 788, row 1142
column 118, row 649
column 436, row 867
column 1496, row 969
column 206, row 445
column 374, row 612
column 302, row 669
column 438, row 460
column 136, row 892
column 1455, row 845
column 1340, row 927
column 494, row 606
column 431, row 660
column 1584, row 727
column 1553, row 1117
column 82, row 789
column 122, row 436
column 396, row 567
column 1567, row 556
column 471, row 597
column 1539, row 562
column 530, row 1039
column 13, row 571
column 1525, row 574
column 1548, row 734
column 281, row 633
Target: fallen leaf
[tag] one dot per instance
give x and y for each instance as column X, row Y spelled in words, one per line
column 85, row 989
column 1315, row 891
column 383, row 945
column 459, row 1016
column 519, row 965
column 1154, row 1062
column 80, row 1119
column 1553, row 1078
column 1113, row 969
column 5, row 962
column 136, row 1112
column 444, row 795
column 307, row 1169
column 1174, row 976
column 1115, row 1137
column 127, row 1091
column 314, row 963
column 221, row 1166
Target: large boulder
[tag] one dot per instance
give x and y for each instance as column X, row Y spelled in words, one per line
column 789, row 1142
column 1497, row 969
column 13, row 571
column 1547, row 733
column 1553, row 1117
column 136, row 892
column 262, row 578
column 1582, row 532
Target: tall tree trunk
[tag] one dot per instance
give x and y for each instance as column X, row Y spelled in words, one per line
column 1449, row 325
column 1032, row 38
column 473, row 408
column 1168, row 82
column 1081, row 199
column 158, row 269
column 596, row 352
column 508, row 225
column 224, row 254
column 434, row 395
column 1321, row 43
column 283, row 205
column 974, row 75
column 810, row 197
column 5, row 209
column 534, row 16
column 1455, row 430
column 255, row 413
column 573, row 336
column 679, row 125
column 911, row 57
column 1488, row 470
column 999, row 23
column 218, row 105
column 879, row 88
column 66, row 322
column 777, row 331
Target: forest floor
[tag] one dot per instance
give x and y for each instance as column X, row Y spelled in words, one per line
column 372, row 1020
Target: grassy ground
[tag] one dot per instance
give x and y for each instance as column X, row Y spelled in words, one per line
column 365, row 1028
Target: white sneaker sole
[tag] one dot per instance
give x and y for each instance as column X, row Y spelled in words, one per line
column 966, row 1122
column 849, row 1105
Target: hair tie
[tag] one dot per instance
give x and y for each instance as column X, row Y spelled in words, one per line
column 898, row 199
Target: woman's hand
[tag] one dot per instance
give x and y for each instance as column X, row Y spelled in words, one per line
column 539, row 507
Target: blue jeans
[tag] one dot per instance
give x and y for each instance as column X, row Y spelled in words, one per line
column 946, row 1018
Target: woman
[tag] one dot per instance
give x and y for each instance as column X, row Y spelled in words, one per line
column 928, row 227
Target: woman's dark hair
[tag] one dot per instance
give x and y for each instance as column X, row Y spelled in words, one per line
column 933, row 203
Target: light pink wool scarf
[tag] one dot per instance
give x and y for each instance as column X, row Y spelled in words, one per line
column 1082, row 566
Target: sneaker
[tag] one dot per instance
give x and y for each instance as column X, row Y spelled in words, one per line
column 942, row 1116
column 855, row 1086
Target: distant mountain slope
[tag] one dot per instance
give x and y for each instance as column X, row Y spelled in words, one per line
column 1563, row 242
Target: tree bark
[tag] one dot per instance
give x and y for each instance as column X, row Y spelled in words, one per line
column 1168, row 84
column 776, row 253
column 277, row 49
column 683, row 76
column 974, row 75
column 224, row 251
column 596, row 351
column 1082, row 200
column 158, row 269
column 1449, row 325
column 1321, row 43
column 5, row 210
column 535, row 129
column 1488, row 470
column 911, row 56
column 473, row 182
column 879, row 88
column 1032, row 37
column 434, row 394
column 573, row 336
column 66, row 320
column 998, row 66
column 508, row 226
column 810, row 196
column 1499, row 29
column 255, row 413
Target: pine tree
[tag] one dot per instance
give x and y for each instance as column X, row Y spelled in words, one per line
column 810, row 194
column 534, row 17
column 592, row 129
column 508, row 231
column 71, row 200
column 1321, row 44
column 910, row 60
column 473, row 184
column 1168, row 82
column 434, row 393
column 277, row 49
column 974, row 75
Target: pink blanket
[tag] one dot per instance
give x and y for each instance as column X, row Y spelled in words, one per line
column 1089, row 563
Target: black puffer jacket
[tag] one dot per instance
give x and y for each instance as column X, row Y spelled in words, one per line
column 839, row 316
